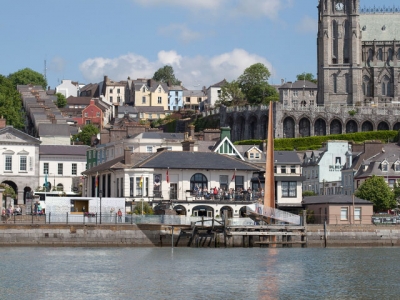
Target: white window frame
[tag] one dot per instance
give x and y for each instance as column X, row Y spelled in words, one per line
column 23, row 163
column 8, row 163
column 74, row 169
column 344, row 213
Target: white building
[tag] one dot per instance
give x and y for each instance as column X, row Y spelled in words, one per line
column 68, row 88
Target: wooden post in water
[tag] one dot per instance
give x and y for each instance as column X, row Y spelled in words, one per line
column 269, row 188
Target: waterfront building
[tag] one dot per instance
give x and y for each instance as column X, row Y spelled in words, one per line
column 322, row 169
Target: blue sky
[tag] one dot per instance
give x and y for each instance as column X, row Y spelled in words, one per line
column 204, row 40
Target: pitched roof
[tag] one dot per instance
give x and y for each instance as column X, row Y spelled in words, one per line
column 195, row 160
column 18, row 133
column 299, row 84
column 219, row 84
column 334, row 199
column 79, row 150
column 54, row 130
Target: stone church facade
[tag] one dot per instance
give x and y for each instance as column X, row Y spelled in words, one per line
column 358, row 54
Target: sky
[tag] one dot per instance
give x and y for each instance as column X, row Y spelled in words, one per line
column 205, row 41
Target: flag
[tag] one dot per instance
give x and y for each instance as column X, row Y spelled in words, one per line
column 141, row 182
column 97, row 179
column 167, row 176
column 45, row 181
column 234, row 175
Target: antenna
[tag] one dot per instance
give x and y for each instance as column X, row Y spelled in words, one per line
column 45, row 70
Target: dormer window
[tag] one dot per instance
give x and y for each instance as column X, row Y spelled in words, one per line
column 397, row 166
column 385, row 166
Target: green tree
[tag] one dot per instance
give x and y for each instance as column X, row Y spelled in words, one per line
column 166, row 74
column 376, row 190
column 254, row 85
column 27, row 76
column 308, row 193
column 61, row 100
column 147, row 210
column 306, row 76
column 10, row 104
column 231, row 95
column 8, row 191
column 85, row 135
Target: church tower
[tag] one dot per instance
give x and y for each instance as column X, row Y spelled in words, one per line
column 339, row 52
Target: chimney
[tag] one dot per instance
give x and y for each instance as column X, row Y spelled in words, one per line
column 127, row 156
column 2, row 122
column 186, row 136
column 188, row 145
column 191, row 128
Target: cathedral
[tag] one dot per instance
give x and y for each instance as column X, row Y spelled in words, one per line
column 358, row 72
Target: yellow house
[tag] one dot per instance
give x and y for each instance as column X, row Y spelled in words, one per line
column 148, row 92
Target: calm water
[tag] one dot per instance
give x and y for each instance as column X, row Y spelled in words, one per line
column 160, row 273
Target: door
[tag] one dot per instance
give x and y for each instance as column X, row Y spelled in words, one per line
column 173, row 188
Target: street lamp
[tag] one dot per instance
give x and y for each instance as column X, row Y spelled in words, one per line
column 100, row 194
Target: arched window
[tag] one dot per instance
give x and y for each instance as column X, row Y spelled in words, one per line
column 346, row 46
column 380, row 54
column 60, row 187
column 386, row 90
column 390, row 54
column 335, row 41
column 370, row 54
column 334, row 78
column 366, row 85
column 198, row 180
column 347, row 77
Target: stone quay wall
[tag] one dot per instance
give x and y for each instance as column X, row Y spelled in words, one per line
column 353, row 235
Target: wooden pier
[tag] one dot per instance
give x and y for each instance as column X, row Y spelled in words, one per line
column 210, row 232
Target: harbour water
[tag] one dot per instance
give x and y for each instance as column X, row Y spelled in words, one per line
column 191, row 273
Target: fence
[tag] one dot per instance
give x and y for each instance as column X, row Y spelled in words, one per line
column 124, row 219
column 364, row 219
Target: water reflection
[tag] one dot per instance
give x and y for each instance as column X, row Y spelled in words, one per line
column 160, row 273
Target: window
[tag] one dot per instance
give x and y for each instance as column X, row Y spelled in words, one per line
column 344, row 213
column 143, row 99
column 22, row 163
column 8, row 163
column 74, row 169
column 239, row 182
column 198, row 180
column 150, row 116
column 397, row 167
column 223, row 182
column 143, row 89
column 380, row 54
column 111, row 99
column 60, row 169
column 293, row 169
column 159, row 89
column 289, row 189
column 45, row 168
column 118, row 99
column 283, row 169
column 198, row 100
column 87, row 122
column 391, row 183
column 86, row 114
column 117, row 187
column 357, row 214
column 60, row 187
column 149, row 149
column 111, row 91
column 385, row 166
column 98, row 114
column 187, row 99
column 295, row 93
column 159, row 100
column 118, row 91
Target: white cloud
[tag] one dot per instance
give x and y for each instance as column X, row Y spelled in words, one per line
column 181, row 31
column 191, row 4
column 307, row 25
column 224, row 8
column 192, row 71
column 57, row 64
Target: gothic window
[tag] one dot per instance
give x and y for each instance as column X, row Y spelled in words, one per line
column 347, row 77
column 390, row 54
column 386, row 90
column 366, row 86
column 346, row 45
column 335, row 35
column 334, row 78
column 370, row 55
column 380, row 54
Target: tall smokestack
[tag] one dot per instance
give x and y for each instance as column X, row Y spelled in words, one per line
column 269, row 193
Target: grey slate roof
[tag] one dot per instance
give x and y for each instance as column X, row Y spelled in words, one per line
column 334, row 199
column 18, row 133
column 299, row 84
column 195, row 160
column 152, row 109
column 163, row 135
column 75, row 150
column 219, row 84
column 54, row 130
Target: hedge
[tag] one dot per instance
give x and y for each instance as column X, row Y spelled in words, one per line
column 315, row 142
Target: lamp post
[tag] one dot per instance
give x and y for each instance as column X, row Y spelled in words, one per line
column 100, row 194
